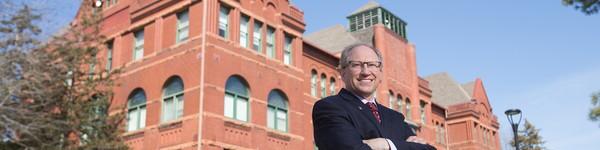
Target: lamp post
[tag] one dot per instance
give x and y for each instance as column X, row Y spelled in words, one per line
column 510, row 114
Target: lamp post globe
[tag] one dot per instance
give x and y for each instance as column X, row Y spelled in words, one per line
column 512, row 114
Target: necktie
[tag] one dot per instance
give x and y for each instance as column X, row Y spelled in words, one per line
column 373, row 109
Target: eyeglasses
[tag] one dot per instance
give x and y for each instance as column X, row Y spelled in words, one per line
column 358, row 65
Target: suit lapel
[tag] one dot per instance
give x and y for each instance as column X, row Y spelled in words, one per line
column 363, row 108
column 385, row 120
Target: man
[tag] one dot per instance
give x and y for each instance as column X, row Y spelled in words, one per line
column 352, row 119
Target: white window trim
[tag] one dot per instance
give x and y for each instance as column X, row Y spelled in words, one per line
column 176, row 102
column 138, row 46
column 288, row 50
column 237, row 97
column 183, row 23
column 223, row 23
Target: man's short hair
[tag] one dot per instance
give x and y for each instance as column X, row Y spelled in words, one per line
column 344, row 58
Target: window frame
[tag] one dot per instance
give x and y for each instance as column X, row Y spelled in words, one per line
column 323, row 85
column 180, row 29
column 257, row 38
column 223, row 24
column 140, row 124
column 271, row 44
column 422, row 110
column 332, row 89
column 275, row 111
column 399, row 103
column 288, row 49
column 313, row 83
column 138, row 44
column 177, row 98
column 391, row 99
column 109, row 55
column 408, row 110
column 237, row 97
column 246, row 41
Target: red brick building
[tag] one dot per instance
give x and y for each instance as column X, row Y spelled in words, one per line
column 240, row 74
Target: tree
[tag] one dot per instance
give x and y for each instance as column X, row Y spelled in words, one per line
column 51, row 95
column 529, row 138
column 586, row 6
column 595, row 111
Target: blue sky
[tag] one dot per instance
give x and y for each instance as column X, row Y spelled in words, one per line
column 536, row 55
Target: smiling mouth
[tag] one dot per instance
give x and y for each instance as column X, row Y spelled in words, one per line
column 365, row 80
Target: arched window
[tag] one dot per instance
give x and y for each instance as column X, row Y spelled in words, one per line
column 313, row 83
column 437, row 133
column 408, row 111
column 399, row 103
column 422, row 111
column 172, row 99
column 443, row 134
column 277, row 111
column 391, row 100
column 332, row 86
column 236, row 98
column 323, row 87
column 136, row 110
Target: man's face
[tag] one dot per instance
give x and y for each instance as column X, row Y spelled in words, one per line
column 362, row 74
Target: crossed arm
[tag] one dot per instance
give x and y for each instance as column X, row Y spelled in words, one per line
column 334, row 130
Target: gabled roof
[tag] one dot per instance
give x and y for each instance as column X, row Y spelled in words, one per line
column 335, row 38
column 446, row 91
column 369, row 5
column 469, row 87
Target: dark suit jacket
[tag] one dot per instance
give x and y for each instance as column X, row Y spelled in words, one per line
column 342, row 121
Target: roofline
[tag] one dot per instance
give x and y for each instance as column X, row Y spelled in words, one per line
column 404, row 22
column 320, row 49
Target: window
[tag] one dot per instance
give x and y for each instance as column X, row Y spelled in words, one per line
column 440, row 134
column 484, row 135
column 106, row 4
column 437, row 133
column 270, row 42
column 367, row 18
column 408, row 111
column 443, row 134
column 359, row 22
column 236, row 98
column 313, row 83
column 138, row 48
column 69, row 80
column 223, row 21
column 476, row 132
column 287, row 51
column 332, row 86
column 172, row 99
column 109, row 57
column 391, row 100
column 257, row 37
column 422, row 110
column 323, row 86
column 183, row 23
column 136, row 110
column 244, row 30
column 277, row 111
column 399, row 102
column 353, row 24
column 92, row 66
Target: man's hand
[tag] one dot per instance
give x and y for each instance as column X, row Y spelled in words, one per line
column 377, row 144
column 415, row 139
